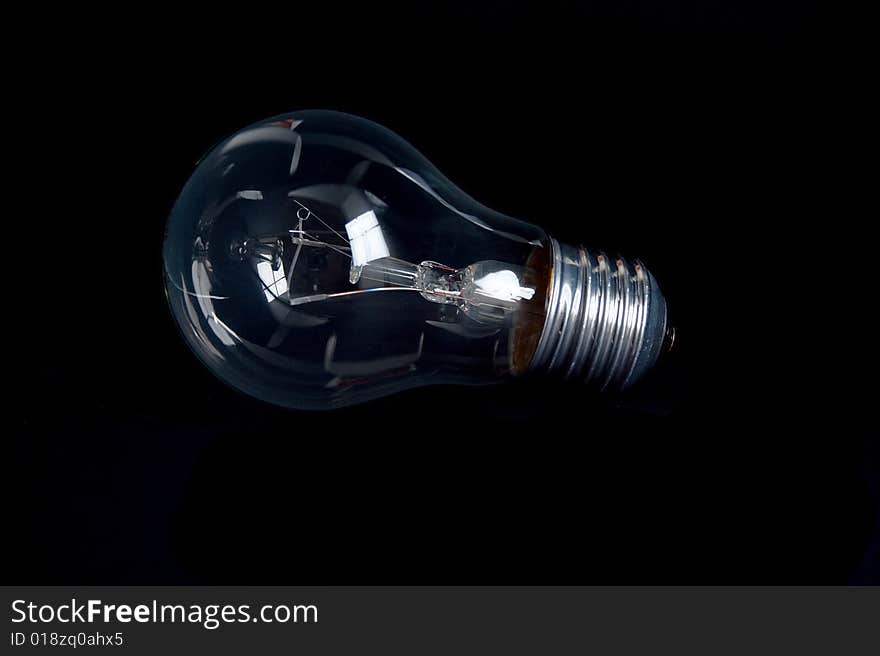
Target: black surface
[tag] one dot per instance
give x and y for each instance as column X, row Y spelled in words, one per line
column 698, row 138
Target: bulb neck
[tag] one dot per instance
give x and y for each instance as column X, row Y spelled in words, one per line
column 606, row 319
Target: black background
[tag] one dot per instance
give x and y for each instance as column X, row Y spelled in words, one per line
column 699, row 137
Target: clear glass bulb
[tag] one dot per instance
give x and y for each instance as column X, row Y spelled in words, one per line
column 315, row 260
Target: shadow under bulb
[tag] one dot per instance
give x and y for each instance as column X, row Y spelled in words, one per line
column 315, row 260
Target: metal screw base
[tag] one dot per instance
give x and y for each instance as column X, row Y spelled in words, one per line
column 606, row 319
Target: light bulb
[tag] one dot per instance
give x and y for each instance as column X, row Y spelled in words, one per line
column 315, row 260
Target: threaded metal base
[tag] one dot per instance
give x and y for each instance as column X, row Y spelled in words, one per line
column 606, row 319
